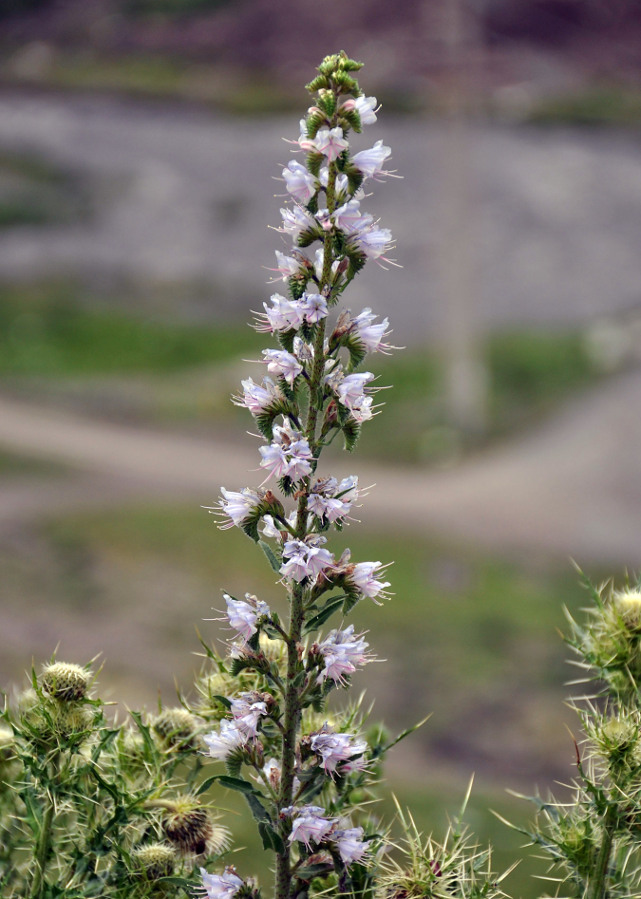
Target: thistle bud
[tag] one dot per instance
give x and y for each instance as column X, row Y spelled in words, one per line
column 176, row 727
column 190, row 828
column 155, row 861
column 65, row 681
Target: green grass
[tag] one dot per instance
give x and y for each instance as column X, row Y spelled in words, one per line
column 468, row 636
column 46, row 331
column 602, row 105
column 33, row 191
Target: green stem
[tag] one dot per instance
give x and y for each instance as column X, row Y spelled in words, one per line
column 43, row 845
column 293, row 695
column 597, row 888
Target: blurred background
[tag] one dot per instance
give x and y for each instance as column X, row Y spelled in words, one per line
column 140, row 151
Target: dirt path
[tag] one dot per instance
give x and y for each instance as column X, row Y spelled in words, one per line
column 572, row 488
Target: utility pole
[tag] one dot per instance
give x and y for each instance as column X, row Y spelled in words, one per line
column 465, row 369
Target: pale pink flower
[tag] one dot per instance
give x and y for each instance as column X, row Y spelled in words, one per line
column 300, row 183
column 329, row 142
column 295, row 221
column 351, row 393
column 221, row 743
column 283, row 364
column 221, row 886
column 334, row 748
column 370, row 162
column 374, row 242
column 350, row 219
column 342, row 651
column 283, row 315
column 257, row 398
column 365, row 580
column 314, row 307
column 288, row 456
column 371, row 334
column 364, row 106
column 288, row 266
column 304, row 560
column 350, row 844
column 275, row 460
column 243, row 614
column 236, row 505
column 310, row 825
column 247, row 712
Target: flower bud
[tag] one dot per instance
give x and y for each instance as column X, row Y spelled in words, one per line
column 65, row 681
column 190, row 828
column 176, row 727
column 155, row 860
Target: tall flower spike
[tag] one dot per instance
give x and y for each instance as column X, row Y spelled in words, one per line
column 313, row 392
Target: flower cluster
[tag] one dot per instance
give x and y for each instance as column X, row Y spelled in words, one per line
column 312, row 392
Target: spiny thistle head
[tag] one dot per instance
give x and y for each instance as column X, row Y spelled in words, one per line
column 190, row 827
column 49, row 721
column 65, row 681
column 176, row 727
column 154, row 861
column 628, row 604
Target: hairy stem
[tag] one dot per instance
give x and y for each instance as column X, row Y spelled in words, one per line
column 297, row 599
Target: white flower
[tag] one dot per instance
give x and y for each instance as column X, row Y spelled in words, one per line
column 236, row 505
column 242, row 614
column 300, row 183
column 366, row 108
column 350, row 844
column 247, row 712
column 221, row 743
column 374, row 242
column 364, row 579
column 283, row 364
column 304, row 560
column 314, row 307
column 370, row 162
column 257, row 398
column 370, row 334
column 310, row 824
column 351, row 393
column 282, row 315
column 295, row 221
column 221, row 886
column 350, row 219
column 288, row 266
column 334, row 748
column 288, row 456
column 330, row 143
column 342, row 651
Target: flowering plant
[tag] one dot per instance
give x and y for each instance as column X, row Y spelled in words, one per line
column 305, row 772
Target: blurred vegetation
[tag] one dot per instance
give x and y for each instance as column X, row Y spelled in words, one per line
column 57, row 332
column 33, row 191
column 596, row 105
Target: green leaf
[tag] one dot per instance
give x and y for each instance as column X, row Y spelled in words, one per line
column 326, row 612
column 271, row 556
column 206, row 784
column 238, row 784
column 271, row 839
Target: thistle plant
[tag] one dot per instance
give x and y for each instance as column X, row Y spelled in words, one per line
column 90, row 806
column 593, row 839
